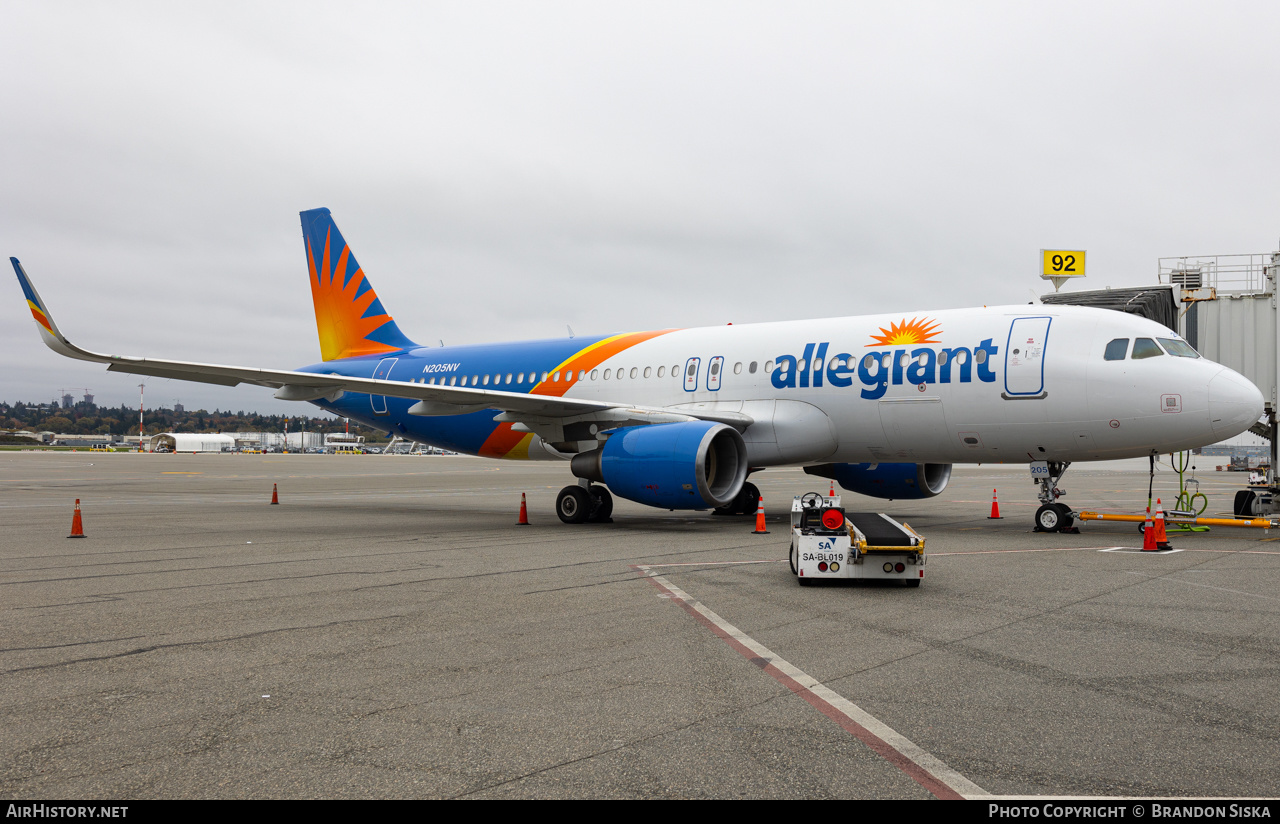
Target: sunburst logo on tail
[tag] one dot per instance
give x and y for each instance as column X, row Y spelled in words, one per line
column 916, row 330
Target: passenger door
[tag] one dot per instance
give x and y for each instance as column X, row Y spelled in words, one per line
column 1024, row 356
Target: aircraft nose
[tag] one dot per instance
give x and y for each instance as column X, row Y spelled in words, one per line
column 1235, row 404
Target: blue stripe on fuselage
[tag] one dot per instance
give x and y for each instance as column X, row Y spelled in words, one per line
column 459, row 433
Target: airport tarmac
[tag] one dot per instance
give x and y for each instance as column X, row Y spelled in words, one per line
column 388, row 631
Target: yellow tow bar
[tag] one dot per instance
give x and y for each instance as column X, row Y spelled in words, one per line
column 1255, row 523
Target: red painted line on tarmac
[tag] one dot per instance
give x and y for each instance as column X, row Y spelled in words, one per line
column 884, row 749
column 720, row 563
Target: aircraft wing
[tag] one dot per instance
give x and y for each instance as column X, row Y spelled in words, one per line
column 433, row 399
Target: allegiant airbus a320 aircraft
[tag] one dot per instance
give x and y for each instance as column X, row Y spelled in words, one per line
column 678, row 418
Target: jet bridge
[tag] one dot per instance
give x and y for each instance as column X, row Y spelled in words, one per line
column 1224, row 306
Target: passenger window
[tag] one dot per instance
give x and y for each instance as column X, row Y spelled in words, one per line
column 715, row 367
column 1116, row 349
column 980, row 356
column 768, row 366
column 1146, row 348
column 544, row 377
column 648, row 371
column 454, row 380
column 595, row 373
column 1178, row 348
column 662, row 370
column 752, row 368
column 737, row 368
column 486, row 380
column 942, row 358
column 555, row 377
column 464, row 380
column 675, row 371
column 633, row 372
column 582, row 374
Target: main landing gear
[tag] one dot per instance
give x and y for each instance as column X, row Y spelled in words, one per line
column 580, row 504
column 746, row 503
column 1052, row 516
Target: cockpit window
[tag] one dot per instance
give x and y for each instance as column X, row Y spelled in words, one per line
column 1116, row 349
column 1146, row 348
column 1178, row 348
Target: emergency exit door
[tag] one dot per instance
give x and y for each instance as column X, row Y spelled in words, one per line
column 382, row 373
column 1024, row 356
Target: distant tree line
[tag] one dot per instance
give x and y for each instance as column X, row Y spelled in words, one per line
column 91, row 419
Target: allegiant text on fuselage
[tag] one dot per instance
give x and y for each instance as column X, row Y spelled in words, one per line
column 926, row 365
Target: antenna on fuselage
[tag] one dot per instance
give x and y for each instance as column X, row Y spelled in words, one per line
column 570, row 328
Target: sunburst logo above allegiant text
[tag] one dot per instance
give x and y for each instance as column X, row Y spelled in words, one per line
column 916, row 330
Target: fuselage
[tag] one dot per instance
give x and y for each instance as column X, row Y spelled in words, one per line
column 1002, row 383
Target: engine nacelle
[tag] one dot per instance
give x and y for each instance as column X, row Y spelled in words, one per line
column 902, row 481
column 688, row 465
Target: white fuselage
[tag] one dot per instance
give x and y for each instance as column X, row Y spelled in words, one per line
column 1044, row 391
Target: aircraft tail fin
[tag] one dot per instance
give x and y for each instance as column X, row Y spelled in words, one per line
column 350, row 318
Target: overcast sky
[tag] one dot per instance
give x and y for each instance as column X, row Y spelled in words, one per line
column 502, row 170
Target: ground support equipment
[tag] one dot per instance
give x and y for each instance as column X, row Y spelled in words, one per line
column 828, row 543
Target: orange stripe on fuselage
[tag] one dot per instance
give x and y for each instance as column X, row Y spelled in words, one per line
column 590, row 358
column 504, row 443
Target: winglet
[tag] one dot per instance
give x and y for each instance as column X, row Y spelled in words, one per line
column 44, row 320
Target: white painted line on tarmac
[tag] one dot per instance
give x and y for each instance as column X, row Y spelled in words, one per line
column 1206, row 586
column 922, row 767
column 1137, row 550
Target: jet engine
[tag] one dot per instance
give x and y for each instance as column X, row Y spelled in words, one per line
column 687, row 465
column 901, row 481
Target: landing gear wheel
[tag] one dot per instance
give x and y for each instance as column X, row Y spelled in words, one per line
column 1049, row 518
column 573, row 505
column 601, row 506
column 1066, row 517
column 1244, row 503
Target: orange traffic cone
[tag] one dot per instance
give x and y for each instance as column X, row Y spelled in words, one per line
column 1162, row 538
column 760, row 530
column 1149, row 534
column 275, row 494
column 77, row 527
column 995, row 509
column 524, row 512
column 833, row 490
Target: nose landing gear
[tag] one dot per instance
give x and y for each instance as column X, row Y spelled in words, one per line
column 1052, row 516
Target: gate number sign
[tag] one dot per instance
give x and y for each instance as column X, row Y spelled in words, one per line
column 1061, row 263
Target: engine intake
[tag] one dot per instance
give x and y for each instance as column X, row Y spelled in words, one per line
column 901, row 481
column 688, row 465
